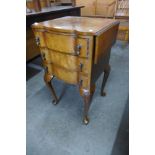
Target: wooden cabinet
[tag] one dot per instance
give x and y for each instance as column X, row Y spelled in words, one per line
column 77, row 51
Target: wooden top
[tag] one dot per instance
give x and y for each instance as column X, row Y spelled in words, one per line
column 52, row 9
column 79, row 25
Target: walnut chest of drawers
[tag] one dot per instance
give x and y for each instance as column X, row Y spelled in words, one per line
column 77, row 51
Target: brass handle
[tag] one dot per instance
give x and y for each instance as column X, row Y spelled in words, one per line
column 80, row 83
column 37, row 41
column 78, row 48
column 46, row 69
column 81, row 66
column 43, row 56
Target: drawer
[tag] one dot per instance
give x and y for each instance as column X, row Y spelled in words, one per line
column 71, row 77
column 69, row 62
column 61, row 73
column 65, row 43
column 65, row 75
column 63, row 60
column 62, row 43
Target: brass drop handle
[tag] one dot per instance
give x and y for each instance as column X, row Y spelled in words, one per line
column 80, row 83
column 78, row 48
column 37, row 41
column 46, row 69
column 81, row 66
column 43, row 56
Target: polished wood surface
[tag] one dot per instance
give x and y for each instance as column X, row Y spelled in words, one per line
column 77, row 51
column 78, row 25
column 45, row 14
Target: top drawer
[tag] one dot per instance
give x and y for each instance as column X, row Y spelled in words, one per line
column 65, row 43
column 62, row 43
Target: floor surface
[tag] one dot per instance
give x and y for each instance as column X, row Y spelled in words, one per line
column 58, row 130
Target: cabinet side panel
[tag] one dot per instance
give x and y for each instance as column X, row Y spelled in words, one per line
column 104, row 42
column 98, row 68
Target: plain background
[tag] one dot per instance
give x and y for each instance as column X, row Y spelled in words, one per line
column 13, row 77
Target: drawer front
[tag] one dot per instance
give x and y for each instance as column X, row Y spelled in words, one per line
column 71, row 77
column 69, row 62
column 62, row 43
column 65, row 75
column 69, row 44
column 61, row 73
column 63, row 60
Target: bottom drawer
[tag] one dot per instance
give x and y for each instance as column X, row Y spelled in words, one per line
column 65, row 75
column 71, row 77
column 61, row 73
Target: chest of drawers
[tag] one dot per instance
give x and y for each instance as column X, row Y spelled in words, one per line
column 77, row 51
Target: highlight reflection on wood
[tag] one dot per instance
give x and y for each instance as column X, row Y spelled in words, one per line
column 77, row 51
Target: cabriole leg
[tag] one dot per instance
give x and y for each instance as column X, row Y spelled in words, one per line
column 86, row 109
column 48, row 80
column 87, row 96
column 106, row 75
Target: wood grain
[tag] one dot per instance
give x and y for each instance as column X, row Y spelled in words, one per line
column 76, row 55
column 77, row 25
